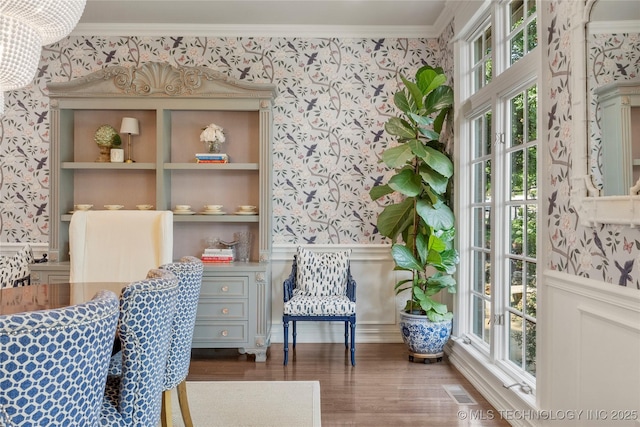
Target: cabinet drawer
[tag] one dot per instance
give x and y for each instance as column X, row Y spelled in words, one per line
column 222, row 309
column 208, row 334
column 228, row 287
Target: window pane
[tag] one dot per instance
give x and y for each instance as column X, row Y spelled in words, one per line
column 487, row 183
column 487, row 228
column 481, row 319
column 487, row 274
column 516, row 288
column 532, row 114
column 517, row 120
column 516, row 237
column 478, row 50
column 478, row 132
column 488, row 68
column 532, row 173
column 517, row 10
column 530, row 347
column 532, row 36
column 516, row 339
column 517, row 47
column 531, row 307
column 478, row 271
column 487, row 323
column 517, row 184
column 478, row 227
column 478, row 183
column 531, row 230
column 488, row 134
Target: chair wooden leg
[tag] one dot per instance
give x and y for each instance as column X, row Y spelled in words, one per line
column 294, row 334
column 165, row 413
column 286, row 342
column 353, row 343
column 183, row 401
column 346, row 334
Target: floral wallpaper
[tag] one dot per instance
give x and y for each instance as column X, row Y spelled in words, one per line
column 608, row 252
column 612, row 57
column 334, row 98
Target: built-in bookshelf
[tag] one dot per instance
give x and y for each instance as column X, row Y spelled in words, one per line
column 173, row 105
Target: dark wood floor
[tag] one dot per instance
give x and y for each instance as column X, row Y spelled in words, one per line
column 383, row 389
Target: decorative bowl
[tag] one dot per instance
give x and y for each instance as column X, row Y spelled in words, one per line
column 247, row 208
column 82, row 207
column 144, row 207
column 113, row 207
column 183, row 207
column 213, row 207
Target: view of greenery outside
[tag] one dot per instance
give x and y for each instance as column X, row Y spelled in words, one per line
column 512, row 276
column 523, row 225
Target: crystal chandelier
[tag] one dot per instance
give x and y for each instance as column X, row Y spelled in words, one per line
column 25, row 26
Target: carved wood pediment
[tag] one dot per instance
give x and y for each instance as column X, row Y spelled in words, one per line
column 158, row 79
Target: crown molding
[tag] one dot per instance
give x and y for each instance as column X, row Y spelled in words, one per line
column 222, row 30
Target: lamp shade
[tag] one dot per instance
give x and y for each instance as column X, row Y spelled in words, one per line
column 130, row 125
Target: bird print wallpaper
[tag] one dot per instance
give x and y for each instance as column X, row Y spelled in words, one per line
column 334, row 97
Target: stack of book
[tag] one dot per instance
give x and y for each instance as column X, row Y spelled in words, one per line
column 217, row 255
column 212, row 158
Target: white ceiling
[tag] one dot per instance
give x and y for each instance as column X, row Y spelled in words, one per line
column 419, row 18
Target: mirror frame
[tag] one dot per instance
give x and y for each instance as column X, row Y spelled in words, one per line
column 593, row 209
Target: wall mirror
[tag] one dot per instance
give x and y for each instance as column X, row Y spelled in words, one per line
column 612, row 67
column 606, row 40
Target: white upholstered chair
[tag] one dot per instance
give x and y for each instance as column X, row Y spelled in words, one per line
column 119, row 246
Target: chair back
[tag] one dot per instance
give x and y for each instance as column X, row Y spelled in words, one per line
column 53, row 363
column 146, row 313
column 189, row 273
column 14, row 270
column 119, row 246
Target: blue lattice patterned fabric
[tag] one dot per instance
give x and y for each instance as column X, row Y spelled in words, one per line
column 322, row 274
column 189, row 273
column 146, row 313
column 53, row 363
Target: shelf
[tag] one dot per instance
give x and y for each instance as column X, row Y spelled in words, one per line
column 210, row 166
column 108, row 165
column 200, row 218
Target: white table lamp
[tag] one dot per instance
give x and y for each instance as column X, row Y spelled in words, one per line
column 130, row 126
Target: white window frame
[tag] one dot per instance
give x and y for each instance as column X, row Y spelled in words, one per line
column 507, row 81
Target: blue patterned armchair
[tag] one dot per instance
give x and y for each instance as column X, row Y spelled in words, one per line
column 189, row 272
column 146, row 313
column 320, row 288
column 53, row 363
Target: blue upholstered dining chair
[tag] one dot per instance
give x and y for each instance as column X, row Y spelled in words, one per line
column 320, row 288
column 53, row 363
column 189, row 272
column 146, row 313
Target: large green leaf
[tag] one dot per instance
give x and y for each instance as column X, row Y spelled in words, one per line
column 438, row 216
column 414, row 91
column 435, row 244
column 417, row 148
column 406, row 182
column 404, row 258
column 421, row 120
column 392, row 220
column 380, row 190
column 400, row 128
column 439, row 162
column 429, row 133
column 437, row 182
column 401, row 101
column 422, row 247
column 398, row 156
column 429, row 79
column 440, row 98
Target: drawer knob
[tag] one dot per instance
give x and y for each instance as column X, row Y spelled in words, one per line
column 225, row 288
column 225, row 311
column 224, row 333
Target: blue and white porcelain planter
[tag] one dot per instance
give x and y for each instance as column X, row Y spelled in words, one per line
column 423, row 336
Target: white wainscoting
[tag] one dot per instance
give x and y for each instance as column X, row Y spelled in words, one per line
column 590, row 350
column 10, row 249
column 376, row 305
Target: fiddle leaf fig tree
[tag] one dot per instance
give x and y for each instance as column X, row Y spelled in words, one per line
column 422, row 225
